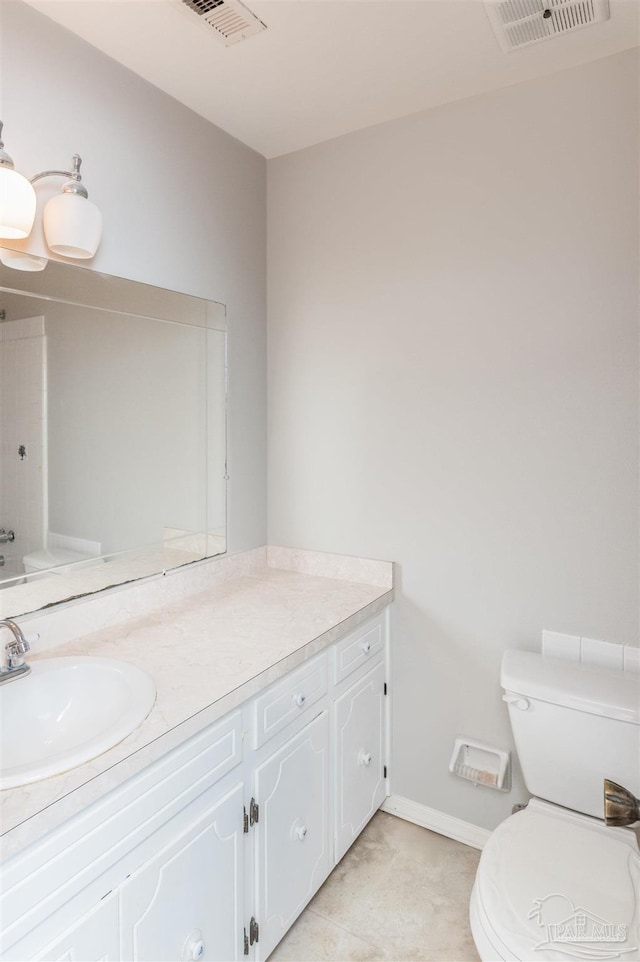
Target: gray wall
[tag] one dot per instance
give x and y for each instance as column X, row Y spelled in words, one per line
column 183, row 206
column 453, row 378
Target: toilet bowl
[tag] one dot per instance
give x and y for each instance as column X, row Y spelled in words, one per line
column 554, row 882
column 540, row 892
column 52, row 561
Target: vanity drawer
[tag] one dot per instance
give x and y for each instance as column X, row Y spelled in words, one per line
column 289, row 699
column 360, row 648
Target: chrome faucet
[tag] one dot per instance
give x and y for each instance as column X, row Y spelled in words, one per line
column 15, row 666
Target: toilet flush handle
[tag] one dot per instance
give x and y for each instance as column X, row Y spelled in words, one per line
column 523, row 704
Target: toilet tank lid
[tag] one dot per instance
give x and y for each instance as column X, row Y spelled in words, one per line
column 572, row 684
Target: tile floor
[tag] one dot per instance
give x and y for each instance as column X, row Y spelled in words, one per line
column 400, row 894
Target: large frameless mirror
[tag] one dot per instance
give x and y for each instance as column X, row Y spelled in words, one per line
column 112, row 433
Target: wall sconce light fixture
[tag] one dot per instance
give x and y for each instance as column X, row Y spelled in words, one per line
column 72, row 223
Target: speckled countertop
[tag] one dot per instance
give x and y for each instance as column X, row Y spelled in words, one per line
column 251, row 622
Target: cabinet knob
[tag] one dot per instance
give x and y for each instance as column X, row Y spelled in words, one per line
column 194, row 947
column 364, row 758
column 300, row 700
column 366, row 647
column 298, row 830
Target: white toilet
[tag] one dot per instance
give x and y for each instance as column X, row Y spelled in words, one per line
column 554, row 882
column 39, row 563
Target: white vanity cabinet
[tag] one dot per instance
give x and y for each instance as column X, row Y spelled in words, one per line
column 212, row 852
column 93, row 938
column 359, row 739
column 186, row 902
column 53, row 886
column 293, row 832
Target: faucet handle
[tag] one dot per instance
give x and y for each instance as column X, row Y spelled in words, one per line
column 20, row 646
column 16, row 650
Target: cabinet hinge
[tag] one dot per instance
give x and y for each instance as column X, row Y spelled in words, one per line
column 246, row 943
column 254, row 812
column 385, row 688
column 254, row 931
column 245, row 821
column 385, row 771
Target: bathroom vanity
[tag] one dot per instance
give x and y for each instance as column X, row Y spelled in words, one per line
column 264, row 757
column 205, row 831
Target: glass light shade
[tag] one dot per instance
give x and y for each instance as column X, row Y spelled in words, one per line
column 22, row 261
column 72, row 226
column 17, row 204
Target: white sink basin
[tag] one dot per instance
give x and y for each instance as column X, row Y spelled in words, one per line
column 66, row 712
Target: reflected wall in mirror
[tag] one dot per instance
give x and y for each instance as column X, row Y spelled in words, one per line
column 112, row 433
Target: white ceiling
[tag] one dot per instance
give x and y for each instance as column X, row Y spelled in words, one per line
column 327, row 67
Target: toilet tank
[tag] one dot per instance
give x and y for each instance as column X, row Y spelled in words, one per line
column 574, row 725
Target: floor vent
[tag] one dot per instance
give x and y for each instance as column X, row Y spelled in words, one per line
column 230, row 20
column 519, row 23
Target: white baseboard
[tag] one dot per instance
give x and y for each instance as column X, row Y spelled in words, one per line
column 437, row 821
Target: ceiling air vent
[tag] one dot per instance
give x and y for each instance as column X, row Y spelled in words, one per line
column 230, row 20
column 518, row 23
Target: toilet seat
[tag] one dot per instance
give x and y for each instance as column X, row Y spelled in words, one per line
column 556, row 885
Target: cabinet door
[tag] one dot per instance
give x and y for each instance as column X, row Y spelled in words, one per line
column 94, row 938
column 358, row 730
column 186, row 902
column 293, row 832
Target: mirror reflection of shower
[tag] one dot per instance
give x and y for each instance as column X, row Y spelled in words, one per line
column 4, row 537
column 112, row 433
column 23, row 437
